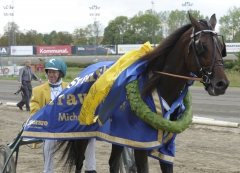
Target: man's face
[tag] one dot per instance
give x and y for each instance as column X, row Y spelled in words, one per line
column 53, row 75
column 28, row 63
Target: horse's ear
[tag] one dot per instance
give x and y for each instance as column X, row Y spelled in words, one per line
column 213, row 21
column 194, row 23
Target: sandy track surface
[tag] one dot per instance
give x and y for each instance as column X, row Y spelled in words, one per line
column 199, row 149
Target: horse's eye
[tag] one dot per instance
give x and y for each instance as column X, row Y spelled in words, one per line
column 205, row 48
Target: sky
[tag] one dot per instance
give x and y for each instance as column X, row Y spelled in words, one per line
column 45, row 16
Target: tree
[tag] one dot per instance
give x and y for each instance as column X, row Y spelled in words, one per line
column 162, row 26
column 111, row 37
column 33, row 38
column 11, row 30
column 64, row 38
column 80, row 36
column 230, row 25
column 4, row 40
column 177, row 18
column 47, row 39
column 53, row 37
column 115, row 32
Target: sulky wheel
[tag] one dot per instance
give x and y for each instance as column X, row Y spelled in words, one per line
column 4, row 154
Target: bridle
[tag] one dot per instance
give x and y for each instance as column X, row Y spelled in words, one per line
column 198, row 48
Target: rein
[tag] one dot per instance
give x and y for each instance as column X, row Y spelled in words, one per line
column 179, row 76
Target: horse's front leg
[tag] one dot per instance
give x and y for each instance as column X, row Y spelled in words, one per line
column 80, row 146
column 166, row 168
column 141, row 159
column 114, row 161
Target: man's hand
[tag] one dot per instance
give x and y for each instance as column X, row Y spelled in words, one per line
column 39, row 80
column 20, row 85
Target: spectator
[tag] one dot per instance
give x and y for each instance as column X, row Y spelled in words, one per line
column 24, row 79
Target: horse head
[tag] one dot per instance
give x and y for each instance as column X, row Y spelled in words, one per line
column 207, row 52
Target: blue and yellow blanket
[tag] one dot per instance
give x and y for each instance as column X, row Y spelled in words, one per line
column 98, row 92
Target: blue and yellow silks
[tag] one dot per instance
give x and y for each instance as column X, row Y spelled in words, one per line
column 100, row 89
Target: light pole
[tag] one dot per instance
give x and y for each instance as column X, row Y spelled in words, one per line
column 95, row 14
column 187, row 4
column 153, row 24
column 11, row 27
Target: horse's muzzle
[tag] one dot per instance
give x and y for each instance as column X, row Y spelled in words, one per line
column 218, row 88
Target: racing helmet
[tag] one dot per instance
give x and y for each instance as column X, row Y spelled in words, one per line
column 56, row 64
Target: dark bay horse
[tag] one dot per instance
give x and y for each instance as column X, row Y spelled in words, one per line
column 193, row 48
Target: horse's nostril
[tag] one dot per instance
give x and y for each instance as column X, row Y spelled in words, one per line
column 222, row 85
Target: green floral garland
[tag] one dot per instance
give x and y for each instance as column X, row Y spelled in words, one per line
column 155, row 120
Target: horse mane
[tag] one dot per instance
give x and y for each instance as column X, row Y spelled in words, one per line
column 156, row 58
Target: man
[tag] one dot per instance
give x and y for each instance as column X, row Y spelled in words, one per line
column 24, row 79
column 56, row 69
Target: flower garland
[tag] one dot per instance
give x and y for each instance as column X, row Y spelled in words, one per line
column 155, row 120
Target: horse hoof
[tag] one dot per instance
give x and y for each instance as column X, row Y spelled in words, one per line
column 77, row 171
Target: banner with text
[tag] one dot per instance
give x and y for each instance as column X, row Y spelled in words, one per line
column 21, row 50
column 54, row 50
column 233, row 47
column 4, row 51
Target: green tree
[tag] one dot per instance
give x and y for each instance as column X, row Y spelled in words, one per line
column 97, row 31
column 230, row 25
column 162, row 26
column 4, row 40
column 53, row 37
column 64, row 38
column 80, row 36
column 111, row 36
column 33, row 38
column 177, row 18
column 115, row 32
column 10, row 31
column 47, row 39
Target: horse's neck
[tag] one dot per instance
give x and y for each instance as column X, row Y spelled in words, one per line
column 171, row 87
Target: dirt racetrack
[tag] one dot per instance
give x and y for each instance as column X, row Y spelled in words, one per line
column 199, row 149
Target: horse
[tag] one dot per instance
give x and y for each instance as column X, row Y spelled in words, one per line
column 193, row 48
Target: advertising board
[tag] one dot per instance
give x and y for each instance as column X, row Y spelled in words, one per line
column 90, row 50
column 10, row 70
column 21, row 50
column 4, row 51
column 233, row 47
column 54, row 50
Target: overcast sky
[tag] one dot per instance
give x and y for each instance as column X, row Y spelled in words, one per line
column 45, row 16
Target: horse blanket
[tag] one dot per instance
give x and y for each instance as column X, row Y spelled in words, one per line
column 63, row 118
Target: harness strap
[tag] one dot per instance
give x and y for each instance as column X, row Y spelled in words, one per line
column 178, row 101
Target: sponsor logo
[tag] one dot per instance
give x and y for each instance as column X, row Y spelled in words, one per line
column 233, row 45
column 81, row 48
column 51, row 61
column 3, row 50
column 90, row 48
column 59, row 51
column 37, row 122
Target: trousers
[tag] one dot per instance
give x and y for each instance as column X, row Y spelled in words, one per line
column 27, row 94
column 90, row 160
column 48, row 155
